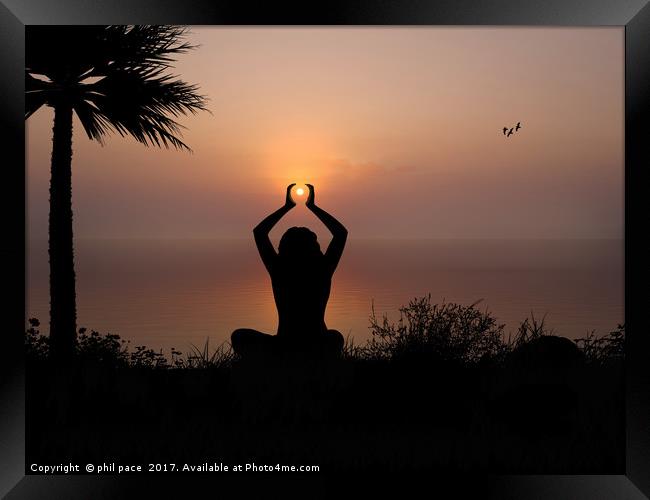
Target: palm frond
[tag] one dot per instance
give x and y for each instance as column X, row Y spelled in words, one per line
column 36, row 94
column 133, row 95
column 93, row 122
column 138, row 102
column 143, row 45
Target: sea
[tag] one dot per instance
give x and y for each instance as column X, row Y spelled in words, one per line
column 179, row 293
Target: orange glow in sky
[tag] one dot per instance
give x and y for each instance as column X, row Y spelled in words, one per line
column 413, row 115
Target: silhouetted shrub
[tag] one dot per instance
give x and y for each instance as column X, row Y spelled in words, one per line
column 109, row 349
column 600, row 350
column 596, row 349
column 37, row 346
column 352, row 351
column 444, row 331
column 447, row 331
column 144, row 357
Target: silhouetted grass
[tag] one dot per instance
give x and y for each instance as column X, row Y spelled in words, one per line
column 221, row 357
column 438, row 389
column 529, row 329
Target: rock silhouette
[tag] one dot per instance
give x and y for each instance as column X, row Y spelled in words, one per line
column 546, row 358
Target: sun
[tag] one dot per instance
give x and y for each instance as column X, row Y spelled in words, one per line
column 300, row 191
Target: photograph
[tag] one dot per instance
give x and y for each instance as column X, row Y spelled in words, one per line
column 354, row 246
column 323, row 249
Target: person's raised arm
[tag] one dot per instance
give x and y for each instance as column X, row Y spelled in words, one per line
column 262, row 230
column 338, row 230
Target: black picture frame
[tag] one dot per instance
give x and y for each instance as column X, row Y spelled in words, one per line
column 633, row 15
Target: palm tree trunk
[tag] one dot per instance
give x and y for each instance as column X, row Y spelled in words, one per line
column 63, row 310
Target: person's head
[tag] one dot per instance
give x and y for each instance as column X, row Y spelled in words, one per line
column 299, row 243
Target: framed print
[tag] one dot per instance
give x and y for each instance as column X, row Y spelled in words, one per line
column 259, row 242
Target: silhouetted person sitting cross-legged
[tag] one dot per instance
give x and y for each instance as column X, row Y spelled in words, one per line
column 301, row 277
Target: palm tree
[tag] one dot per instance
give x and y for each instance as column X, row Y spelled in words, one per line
column 115, row 79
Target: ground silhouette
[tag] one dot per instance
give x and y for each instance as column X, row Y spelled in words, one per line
column 462, row 405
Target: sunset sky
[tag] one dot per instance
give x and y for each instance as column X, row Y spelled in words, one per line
column 399, row 129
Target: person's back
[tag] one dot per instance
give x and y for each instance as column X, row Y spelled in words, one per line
column 301, row 277
column 301, row 289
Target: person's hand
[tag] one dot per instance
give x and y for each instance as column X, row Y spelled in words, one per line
column 310, row 199
column 289, row 201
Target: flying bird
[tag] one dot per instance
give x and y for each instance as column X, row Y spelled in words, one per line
column 510, row 132
column 518, row 126
column 505, row 129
